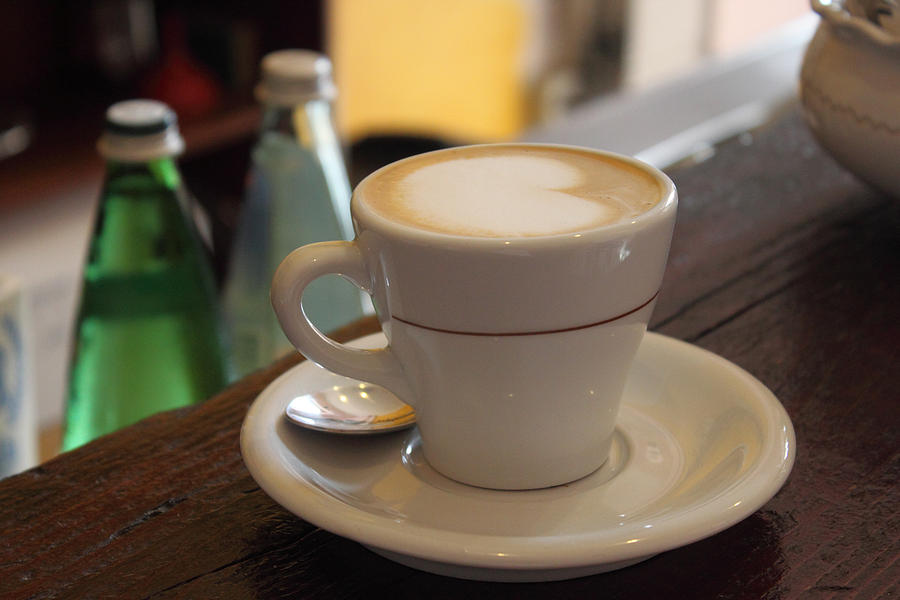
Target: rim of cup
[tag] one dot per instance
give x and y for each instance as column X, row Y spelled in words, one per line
column 660, row 211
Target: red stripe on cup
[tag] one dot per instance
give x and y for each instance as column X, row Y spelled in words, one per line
column 543, row 332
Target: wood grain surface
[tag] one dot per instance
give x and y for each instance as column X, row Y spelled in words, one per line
column 782, row 263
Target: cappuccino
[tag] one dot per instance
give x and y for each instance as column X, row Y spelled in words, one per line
column 510, row 191
column 503, row 275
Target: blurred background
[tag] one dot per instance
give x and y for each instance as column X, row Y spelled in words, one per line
column 412, row 76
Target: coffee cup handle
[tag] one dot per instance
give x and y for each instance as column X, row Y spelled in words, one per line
column 298, row 270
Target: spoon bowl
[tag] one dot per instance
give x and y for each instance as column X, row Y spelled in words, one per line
column 354, row 408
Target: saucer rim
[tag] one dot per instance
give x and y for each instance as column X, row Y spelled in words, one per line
column 700, row 520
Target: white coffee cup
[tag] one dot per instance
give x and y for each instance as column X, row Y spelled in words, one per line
column 512, row 346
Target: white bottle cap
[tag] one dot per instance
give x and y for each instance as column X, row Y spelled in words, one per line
column 140, row 130
column 291, row 77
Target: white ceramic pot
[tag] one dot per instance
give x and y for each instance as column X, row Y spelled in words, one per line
column 850, row 92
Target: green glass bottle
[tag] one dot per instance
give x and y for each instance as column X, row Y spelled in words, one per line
column 147, row 333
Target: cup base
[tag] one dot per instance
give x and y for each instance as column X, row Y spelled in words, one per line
column 523, row 477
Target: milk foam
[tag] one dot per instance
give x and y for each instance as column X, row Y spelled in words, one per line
column 511, row 191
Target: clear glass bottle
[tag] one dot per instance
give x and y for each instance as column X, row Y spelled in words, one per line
column 147, row 335
column 297, row 193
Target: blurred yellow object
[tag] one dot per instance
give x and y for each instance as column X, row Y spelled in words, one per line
column 453, row 69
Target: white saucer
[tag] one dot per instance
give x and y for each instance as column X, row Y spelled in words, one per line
column 700, row 445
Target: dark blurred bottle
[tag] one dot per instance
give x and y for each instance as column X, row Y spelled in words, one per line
column 180, row 80
column 298, row 193
column 147, row 334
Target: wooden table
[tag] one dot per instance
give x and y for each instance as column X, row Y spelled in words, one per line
column 782, row 263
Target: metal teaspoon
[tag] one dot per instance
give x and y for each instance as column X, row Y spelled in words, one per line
column 357, row 408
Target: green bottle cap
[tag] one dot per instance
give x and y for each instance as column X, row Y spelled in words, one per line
column 140, row 130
